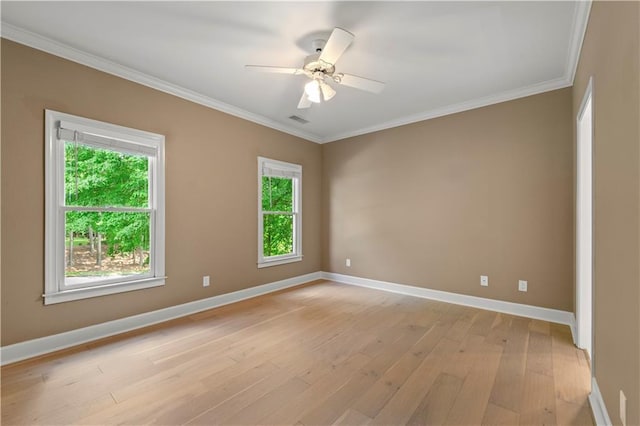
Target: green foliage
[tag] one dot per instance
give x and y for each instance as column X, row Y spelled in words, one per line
column 277, row 196
column 123, row 232
column 100, row 177
column 277, row 234
column 103, row 178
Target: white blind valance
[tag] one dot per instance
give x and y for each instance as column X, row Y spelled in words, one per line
column 70, row 134
column 277, row 169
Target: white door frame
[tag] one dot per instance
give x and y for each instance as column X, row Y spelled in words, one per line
column 584, row 222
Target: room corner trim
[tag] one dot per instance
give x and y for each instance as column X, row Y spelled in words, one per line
column 599, row 410
column 528, row 311
column 44, row 345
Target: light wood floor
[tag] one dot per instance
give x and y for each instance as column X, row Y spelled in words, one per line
column 319, row 354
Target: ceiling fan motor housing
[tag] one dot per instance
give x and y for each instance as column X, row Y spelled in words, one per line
column 313, row 64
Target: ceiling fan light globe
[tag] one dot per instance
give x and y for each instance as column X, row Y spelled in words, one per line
column 312, row 89
column 327, row 91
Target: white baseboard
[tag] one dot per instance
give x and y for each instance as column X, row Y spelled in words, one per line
column 528, row 311
column 31, row 348
column 599, row 410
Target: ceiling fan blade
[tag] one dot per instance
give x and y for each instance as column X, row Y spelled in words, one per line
column 361, row 83
column 279, row 70
column 304, row 101
column 336, row 45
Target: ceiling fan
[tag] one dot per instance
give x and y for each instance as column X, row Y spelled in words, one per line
column 320, row 68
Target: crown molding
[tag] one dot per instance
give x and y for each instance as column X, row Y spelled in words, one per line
column 509, row 95
column 36, row 41
column 578, row 31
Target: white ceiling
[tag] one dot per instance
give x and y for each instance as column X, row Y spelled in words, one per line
column 435, row 57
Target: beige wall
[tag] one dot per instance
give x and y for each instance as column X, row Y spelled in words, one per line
column 610, row 54
column 437, row 203
column 211, row 194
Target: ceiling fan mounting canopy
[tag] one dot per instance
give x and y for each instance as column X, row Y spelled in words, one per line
column 318, row 44
column 320, row 65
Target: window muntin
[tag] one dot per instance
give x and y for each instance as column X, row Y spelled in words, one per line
column 279, row 216
column 105, row 208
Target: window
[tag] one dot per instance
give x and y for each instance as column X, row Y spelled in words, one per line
column 104, row 223
column 279, row 215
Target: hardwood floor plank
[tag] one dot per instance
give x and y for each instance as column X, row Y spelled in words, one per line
column 267, row 404
column 239, row 401
column 463, row 359
column 329, row 410
column 407, row 396
column 471, row 402
column 569, row 413
column 65, row 413
column 372, row 401
column 352, row 418
column 498, row 416
column 434, row 408
column 143, row 408
column 507, row 388
column 318, row 392
column 482, row 323
column 539, row 356
column 573, row 382
column 538, row 405
column 499, row 333
column 539, row 326
column 195, row 368
column 221, row 387
column 383, row 339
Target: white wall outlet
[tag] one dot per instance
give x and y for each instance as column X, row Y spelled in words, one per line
column 623, row 408
column 348, row 263
column 484, row 281
column 522, row 285
column 205, row 281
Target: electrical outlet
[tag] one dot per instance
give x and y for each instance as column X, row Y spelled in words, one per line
column 205, row 281
column 484, row 281
column 623, row 408
column 348, row 263
column 522, row 285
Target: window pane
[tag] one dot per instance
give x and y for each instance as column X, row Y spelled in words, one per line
column 278, row 234
column 277, row 194
column 105, row 245
column 102, row 177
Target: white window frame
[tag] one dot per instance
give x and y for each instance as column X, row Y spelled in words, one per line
column 276, row 168
column 107, row 136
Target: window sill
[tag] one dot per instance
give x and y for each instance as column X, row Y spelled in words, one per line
column 279, row 261
column 85, row 293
